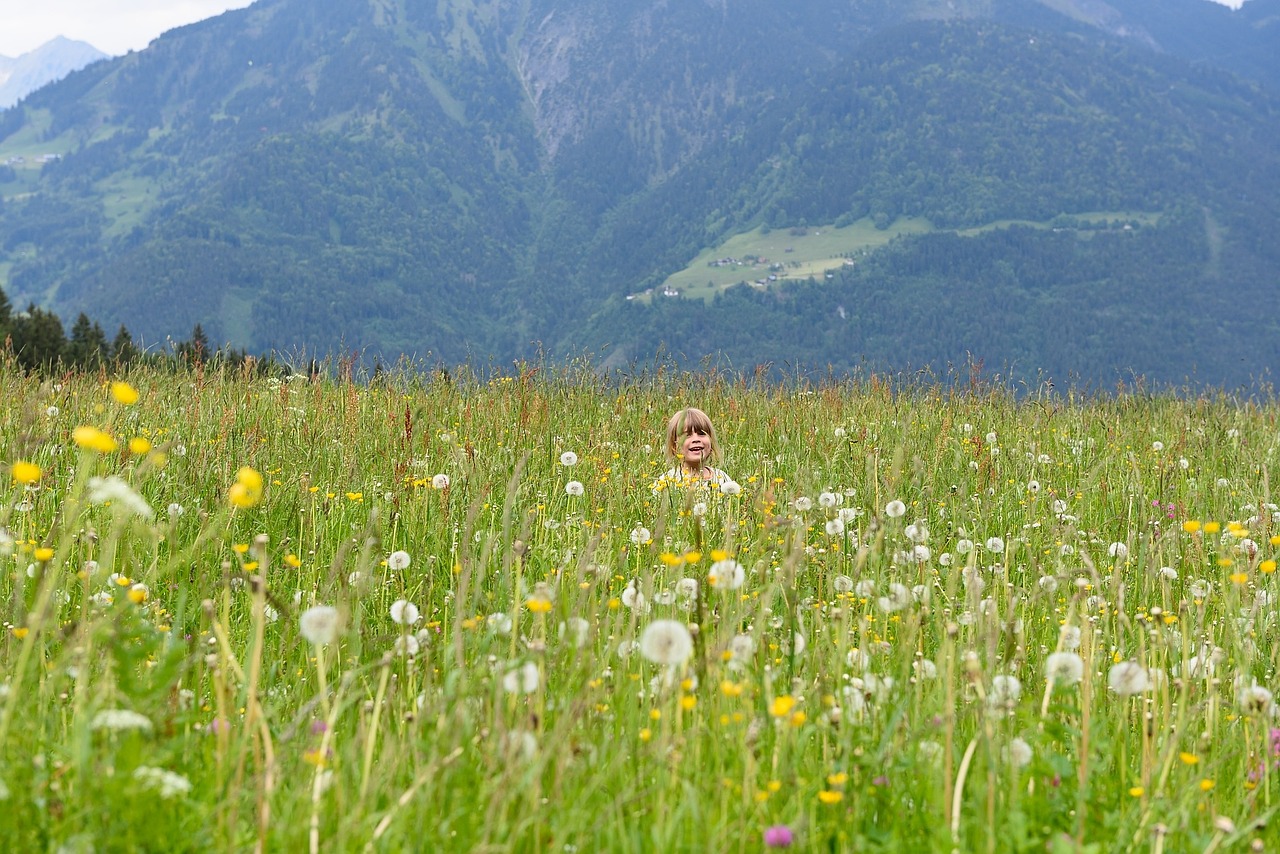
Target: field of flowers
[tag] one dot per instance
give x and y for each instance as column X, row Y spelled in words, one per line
column 450, row 613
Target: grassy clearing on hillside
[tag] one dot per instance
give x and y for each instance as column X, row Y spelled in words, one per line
column 450, row 614
column 786, row 253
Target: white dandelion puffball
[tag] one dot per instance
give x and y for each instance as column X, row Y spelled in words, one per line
column 406, row 646
column 319, row 624
column 576, row 630
column 687, row 588
column 568, row 459
column 995, row 545
column 1255, row 700
column 827, row 500
column 842, row 583
column 1005, row 690
column 1128, row 678
column 1070, row 637
column 524, row 679
column 895, row 509
column 1118, row 550
column 804, row 503
column 640, row 535
column 499, row 623
column 1064, row 668
column 699, row 510
column 731, row 487
column 404, row 612
column 440, row 481
column 398, row 560
column 963, row 547
column 574, row 488
column 917, row 532
column 834, row 527
column 666, row 642
column 1019, row 753
column 726, row 574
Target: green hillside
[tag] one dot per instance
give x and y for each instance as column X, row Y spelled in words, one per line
column 486, row 180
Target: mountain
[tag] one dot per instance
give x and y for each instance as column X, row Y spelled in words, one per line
column 484, row 179
column 52, row 61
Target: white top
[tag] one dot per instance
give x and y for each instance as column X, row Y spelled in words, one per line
column 678, row 477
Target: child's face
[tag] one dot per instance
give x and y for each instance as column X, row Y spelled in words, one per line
column 695, row 448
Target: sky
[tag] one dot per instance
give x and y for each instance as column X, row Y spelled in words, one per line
column 117, row 26
column 112, row 26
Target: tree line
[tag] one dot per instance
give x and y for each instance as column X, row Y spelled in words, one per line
column 37, row 341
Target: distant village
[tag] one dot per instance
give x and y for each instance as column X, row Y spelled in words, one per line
column 19, row 160
column 775, row 272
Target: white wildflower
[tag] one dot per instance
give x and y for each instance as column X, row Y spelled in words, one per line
column 568, row 459
column 574, row 488
column 398, row 560
column 120, row 720
column 168, row 784
column 894, row 509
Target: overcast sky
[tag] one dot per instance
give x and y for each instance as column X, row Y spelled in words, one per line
column 112, row 26
column 116, row 26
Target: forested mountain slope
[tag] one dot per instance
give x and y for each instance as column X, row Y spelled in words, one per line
column 483, row 179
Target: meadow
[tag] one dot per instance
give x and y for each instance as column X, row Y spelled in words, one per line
column 436, row 612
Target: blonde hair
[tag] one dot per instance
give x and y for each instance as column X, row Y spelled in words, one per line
column 688, row 421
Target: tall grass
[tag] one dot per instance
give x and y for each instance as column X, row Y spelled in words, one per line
column 909, row 563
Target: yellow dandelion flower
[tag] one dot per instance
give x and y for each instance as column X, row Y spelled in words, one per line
column 137, row 595
column 139, row 445
column 247, row 490
column 774, row 786
column 124, row 394
column 688, row 702
column 731, row 689
column 719, row 554
column 93, row 439
column 1275, row 540
column 670, row 559
column 837, row 779
column 646, row 734
column 1136, row 791
column 1188, row 758
column 798, row 719
column 1239, row 577
column 20, row 632
column 781, row 706
column 1212, row 527
column 829, row 797
column 692, row 556
column 538, row 605
column 43, row 554
column 1191, row 526
column 25, row 472
column 1267, row 566
column 1206, row 785
column 292, row 560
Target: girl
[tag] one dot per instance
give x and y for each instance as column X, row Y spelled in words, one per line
column 691, row 442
